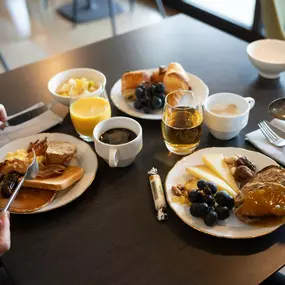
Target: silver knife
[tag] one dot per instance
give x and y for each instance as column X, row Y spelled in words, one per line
column 25, row 115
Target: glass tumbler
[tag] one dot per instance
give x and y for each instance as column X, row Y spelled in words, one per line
column 87, row 110
column 182, row 122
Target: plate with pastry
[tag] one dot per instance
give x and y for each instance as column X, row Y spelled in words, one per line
column 228, row 192
column 67, row 167
column 141, row 93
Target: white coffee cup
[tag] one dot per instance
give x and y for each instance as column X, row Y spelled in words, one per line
column 227, row 127
column 123, row 154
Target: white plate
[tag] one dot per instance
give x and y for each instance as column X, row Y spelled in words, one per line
column 198, row 87
column 85, row 158
column 231, row 228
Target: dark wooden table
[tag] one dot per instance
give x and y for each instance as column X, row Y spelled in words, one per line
column 110, row 234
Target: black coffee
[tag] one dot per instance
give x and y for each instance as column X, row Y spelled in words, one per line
column 117, row 136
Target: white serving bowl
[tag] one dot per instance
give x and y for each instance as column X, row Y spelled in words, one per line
column 268, row 56
column 58, row 79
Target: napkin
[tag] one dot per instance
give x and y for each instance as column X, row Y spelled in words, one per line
column 259, row 141
column 34, row 126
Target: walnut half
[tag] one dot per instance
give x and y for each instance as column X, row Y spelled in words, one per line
column 244, row 161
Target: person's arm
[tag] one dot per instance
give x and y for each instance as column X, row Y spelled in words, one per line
column 5, row 241
column 3, row 114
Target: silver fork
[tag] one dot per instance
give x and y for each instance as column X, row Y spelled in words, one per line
column 31, row 173
column 272, row 137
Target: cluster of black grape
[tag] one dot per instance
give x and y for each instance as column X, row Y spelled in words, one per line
column 209, row 204
column 150, row 96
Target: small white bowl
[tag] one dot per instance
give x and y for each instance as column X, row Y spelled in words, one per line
column 60, row 78
column 227, row 127
column 268, row 56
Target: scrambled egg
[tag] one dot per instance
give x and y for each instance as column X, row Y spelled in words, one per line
column 22, row 154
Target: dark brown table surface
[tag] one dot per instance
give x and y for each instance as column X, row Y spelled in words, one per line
column 110, row 234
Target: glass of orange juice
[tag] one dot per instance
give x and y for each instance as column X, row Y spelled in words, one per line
column 87, row 110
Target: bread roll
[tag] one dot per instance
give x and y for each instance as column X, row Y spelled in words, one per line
column 158, row 75
column 176, row 78
column 130, row 81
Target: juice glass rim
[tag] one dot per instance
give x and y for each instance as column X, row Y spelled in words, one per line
column 179, row 107
column 89, row 117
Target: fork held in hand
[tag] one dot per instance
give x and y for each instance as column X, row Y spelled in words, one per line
column 31, row 173
column 272, row 137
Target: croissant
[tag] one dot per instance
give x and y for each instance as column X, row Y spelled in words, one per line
column 158, row 75
column 176, row 78
column 130, row 81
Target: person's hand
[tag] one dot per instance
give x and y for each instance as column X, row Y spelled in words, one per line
column 3, row 114
column 5, row 241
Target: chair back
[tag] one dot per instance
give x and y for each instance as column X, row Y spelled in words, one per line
column 273, row 16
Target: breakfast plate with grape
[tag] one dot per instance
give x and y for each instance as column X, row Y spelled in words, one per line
column 141, row 93
column 228, row 192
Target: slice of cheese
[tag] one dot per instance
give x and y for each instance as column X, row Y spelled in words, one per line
column 203, row 172
column 215, row 161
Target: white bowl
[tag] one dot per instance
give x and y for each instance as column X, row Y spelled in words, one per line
column 58, row 79
column 224, row 135
column 268, row 56
column 227, row 127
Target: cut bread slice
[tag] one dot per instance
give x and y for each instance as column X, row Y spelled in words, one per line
column 260, row 200
column 271, row 173
column 203, row 172
column 215, row 161
column 60, row 152
column 71, row 175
